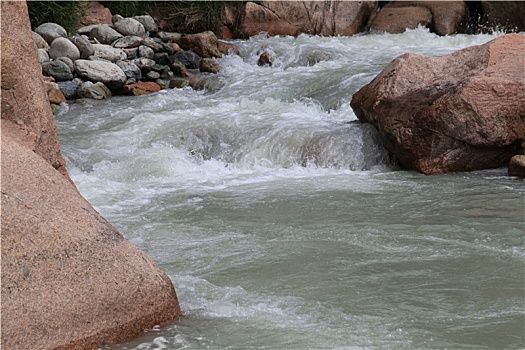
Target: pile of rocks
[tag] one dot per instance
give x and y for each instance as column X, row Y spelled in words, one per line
column 128, row 57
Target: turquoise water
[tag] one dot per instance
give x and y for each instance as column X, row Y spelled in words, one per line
column 281, row 220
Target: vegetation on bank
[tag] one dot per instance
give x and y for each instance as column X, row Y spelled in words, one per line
column 65, row 13
column 175, row 16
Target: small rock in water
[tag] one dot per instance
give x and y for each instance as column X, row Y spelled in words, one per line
column 209, row 65
column 517, row 166
column 96, row 91
column 266, row 58
column 69, row 89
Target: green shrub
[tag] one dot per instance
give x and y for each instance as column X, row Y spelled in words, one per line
column 65, row 13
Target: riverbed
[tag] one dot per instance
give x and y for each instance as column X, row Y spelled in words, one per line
column 282, row 221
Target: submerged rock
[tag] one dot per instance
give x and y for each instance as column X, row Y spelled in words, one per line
column 517, row 166
column 458, row 112
column 95, row 91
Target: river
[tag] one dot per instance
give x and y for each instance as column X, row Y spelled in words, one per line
column 283, row 223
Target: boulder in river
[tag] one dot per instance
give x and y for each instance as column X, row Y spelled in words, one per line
column 204, row 44
column 517, row 166
column 101, row 71
column 458, row 112
column 188, row 58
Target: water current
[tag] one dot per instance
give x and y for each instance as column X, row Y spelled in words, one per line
column 283, row 223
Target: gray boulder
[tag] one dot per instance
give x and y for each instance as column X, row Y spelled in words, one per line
column 154, row 43
column 132, row 71
column 152, row 75
column 51, row 31
column 188, row 58
column 86, row 30
column 147, row 52
column 109, row 53
column 67, row 61
column 162, row 58
column 148, row 22
column 83, row 45
column 42, row 56
column 129, row 41
column 99, row 71
column 62, row 47
column 96, row 91
column 68, row 89
column 129, row 26
column 58, row 70
column 169, row 37
column 145, row 64
column 104, row 34
column 39, row 41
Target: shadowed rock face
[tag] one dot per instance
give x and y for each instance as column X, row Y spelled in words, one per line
column 459, row 112
column 69, row 279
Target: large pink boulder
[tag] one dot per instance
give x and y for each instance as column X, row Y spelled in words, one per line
column 69, row 279
column 458, row 112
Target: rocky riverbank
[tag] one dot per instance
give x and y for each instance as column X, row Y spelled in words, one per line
column 128, row 57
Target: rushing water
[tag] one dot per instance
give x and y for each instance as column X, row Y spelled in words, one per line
column 282, row 222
